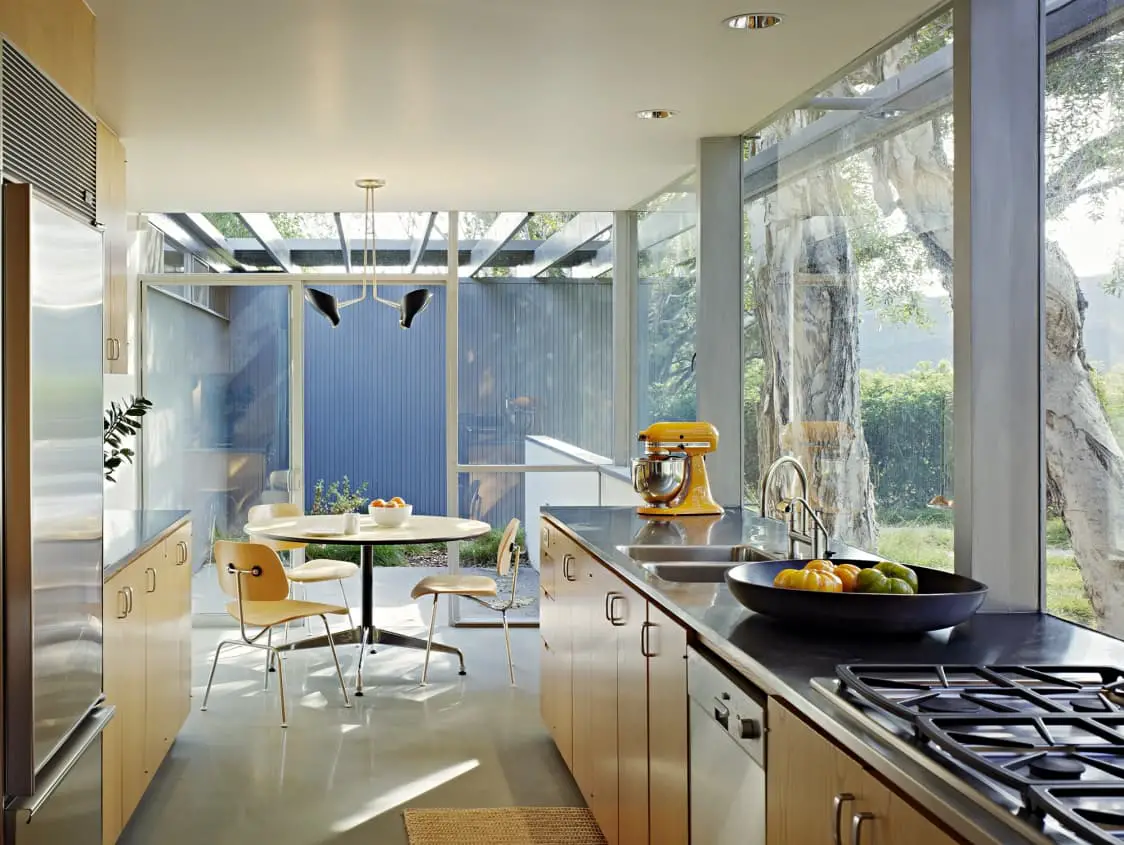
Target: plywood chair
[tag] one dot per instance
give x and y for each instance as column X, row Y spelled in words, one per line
column 252, row 574
column 310, row 572
column 481, row 589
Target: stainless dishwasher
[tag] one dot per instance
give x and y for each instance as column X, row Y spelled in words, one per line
column 727, row 724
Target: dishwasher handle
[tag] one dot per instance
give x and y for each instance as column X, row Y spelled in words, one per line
column 722, row 712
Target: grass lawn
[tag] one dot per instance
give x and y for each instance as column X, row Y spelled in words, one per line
column 928, row 544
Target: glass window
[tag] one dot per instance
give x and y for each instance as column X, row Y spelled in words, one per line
column 1084, row 350
column 667, row 243
column 848, row 313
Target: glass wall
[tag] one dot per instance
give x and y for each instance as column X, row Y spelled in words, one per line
column 667, row 244
column 1084, row 350
column 848, row 312
column 216, row 441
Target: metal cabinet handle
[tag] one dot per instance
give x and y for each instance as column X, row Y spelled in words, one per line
column 645, row 639
column 857, row 826
column 566, row 561
column 618, row 621
column 147, row 571
column 838, row 802
column 722, row 715
column 129, row 600
column 112, row 349
column 122, row 604
column 182, row 546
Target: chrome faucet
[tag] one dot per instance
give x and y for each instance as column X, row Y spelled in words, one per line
column 776, row 465
column 802, row 536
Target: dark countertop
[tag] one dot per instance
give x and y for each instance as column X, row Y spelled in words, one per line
column 131, row 533
column 782, row 661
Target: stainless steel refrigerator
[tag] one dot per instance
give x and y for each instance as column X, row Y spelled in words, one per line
column 51, row 540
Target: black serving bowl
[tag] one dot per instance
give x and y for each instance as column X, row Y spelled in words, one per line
column 943, row 599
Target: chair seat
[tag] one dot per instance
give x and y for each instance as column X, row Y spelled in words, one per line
column 262, row 614
column 322, row 570
column 465, row 585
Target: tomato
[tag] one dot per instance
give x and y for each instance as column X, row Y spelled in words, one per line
column 808, row 579
column 847, row 573
column 874, row 580
column 820, row 566
column 898, row 570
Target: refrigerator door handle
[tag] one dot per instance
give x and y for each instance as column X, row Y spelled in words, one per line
column 64, row 760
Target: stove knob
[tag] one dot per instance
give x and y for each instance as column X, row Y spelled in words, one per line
column 749, row 729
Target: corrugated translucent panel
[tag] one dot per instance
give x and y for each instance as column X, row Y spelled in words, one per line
column 535, row 358
column 374, row 399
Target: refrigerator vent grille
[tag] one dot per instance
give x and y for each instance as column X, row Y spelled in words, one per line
column 47, row 139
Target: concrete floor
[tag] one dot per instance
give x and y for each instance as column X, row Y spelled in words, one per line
column 343, row 776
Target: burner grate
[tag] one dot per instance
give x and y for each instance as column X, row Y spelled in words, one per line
column 1094, row 812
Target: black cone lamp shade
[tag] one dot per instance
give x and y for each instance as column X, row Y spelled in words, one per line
column 324, row 303
column 412, row 304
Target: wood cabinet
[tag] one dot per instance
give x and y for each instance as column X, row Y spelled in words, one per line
column 112, row 215
column 623, row 686
column 147, row 633
column 815, row 790
column 58, row 36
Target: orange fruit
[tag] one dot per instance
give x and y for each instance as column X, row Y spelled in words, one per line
column 398, row 500
column 378, row 503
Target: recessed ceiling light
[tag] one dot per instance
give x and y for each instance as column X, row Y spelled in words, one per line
column 655, row 114
column 754, row 20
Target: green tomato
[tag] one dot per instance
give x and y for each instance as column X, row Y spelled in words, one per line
column 898, row 570
column 901, row 587
column 872, row 581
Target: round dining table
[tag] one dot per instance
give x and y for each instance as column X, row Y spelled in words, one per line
column 328, row 530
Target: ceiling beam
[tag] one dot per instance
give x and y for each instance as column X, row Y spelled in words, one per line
column 501, row 231
column 210, row 236
column 576, row 233
column 418, row 244
column 345, row 247
column 652, row 229
column 262, row 227
column 188, row 242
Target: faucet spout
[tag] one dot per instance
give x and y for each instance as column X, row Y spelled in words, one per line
column 818, row 528
column 767, row 482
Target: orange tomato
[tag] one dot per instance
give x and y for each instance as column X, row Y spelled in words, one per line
column 847, row 573
column 820, row 566
column 808, row 579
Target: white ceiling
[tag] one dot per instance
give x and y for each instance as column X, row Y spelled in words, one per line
column 278, row 105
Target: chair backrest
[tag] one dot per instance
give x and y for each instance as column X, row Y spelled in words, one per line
column 265, row 578
column 507, row 542
column 274, row 510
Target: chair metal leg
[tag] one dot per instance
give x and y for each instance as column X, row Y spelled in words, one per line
column 281, row 687
column 343, row 592
column 335, row 657
column 429, row 641
column 507, row 639
column 363, row 635
column 214, row 665
column 268, row 656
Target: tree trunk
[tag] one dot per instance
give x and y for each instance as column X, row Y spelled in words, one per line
column 808, row 310
column 1084, row 464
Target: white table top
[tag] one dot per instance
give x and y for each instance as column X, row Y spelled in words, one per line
column 418, row 529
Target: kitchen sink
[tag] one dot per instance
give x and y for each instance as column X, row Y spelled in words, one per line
column 728, row 555
column 692, row 573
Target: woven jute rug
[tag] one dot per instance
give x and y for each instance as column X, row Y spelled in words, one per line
column 503, row 826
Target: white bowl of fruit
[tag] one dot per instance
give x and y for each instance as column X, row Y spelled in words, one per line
column 391, row 513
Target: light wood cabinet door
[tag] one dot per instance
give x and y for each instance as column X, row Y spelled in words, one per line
column 125, row 642
column 896, row 821
column 603, row 700
column 111, row 213
column 548, row 565
column 813, row 788
column 162, row 657
column 177, row 557
column 665, row 643
column 58, row 36
column 631, row 611
column 579, row 596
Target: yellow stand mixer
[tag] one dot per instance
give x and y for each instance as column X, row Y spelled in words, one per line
column 671, row 475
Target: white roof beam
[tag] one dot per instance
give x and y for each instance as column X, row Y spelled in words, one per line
column 578, row 231
column 501, row 231
column 420, row 241
column 345, row 247
column 187, row 241
column 262, row 227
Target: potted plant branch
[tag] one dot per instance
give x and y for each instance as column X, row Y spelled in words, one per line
column 121, row 421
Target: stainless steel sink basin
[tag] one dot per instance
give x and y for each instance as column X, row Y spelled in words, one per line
column 728, row 555
column 693, row 573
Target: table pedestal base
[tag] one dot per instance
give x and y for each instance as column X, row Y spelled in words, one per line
column 364, row 636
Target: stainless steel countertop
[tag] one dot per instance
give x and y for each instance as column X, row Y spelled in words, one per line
column 783, row 660
column 132, row 533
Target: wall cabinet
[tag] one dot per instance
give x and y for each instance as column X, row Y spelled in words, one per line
column 58, row 36
column 815, row 791
column 615, row 695
column 147, row 635
column 112, row 215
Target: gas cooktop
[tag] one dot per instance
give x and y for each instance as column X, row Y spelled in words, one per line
column 1044, row 743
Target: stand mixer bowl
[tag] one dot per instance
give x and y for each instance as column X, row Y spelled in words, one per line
column 659, row 478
